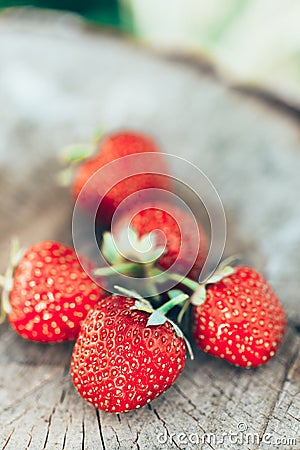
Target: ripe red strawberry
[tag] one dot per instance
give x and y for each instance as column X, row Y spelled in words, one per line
column 181, row 234
column 241, row 319
column 119, row 363
column 116, row 146
column 51, row 294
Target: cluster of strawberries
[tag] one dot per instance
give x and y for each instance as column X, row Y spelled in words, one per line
column 128, row 350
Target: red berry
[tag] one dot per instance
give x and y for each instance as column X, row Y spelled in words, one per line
column 51, row 294
column 176, row 225
column 116, row 146
column 119, row 363
column 241, row 319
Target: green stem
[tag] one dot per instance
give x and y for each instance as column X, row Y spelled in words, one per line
column 176, row 301
column 183, row 311
column 124, row 268
column 151, row 287
column 191, row 284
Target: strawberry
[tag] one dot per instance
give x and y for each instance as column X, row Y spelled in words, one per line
column 50, row 294
column 241, row 319
column 185, row 241
column 120, row 361
column 111, row 192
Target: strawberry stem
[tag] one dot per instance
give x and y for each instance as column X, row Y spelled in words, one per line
column 188, row 282
column 158, row 316
column 151, row 287
column 191, row 284
column 180, row 300
column 124, row 268
column 183, row 310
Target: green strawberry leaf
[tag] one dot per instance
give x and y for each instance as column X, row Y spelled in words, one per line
column 220, row 274
column 199, row 296
column 144, row 243
column 143, row 305
column 141, row 249
column 76, row 152
column 64, row 177
column 109, row 249
column 16, row 252
column 5, row 299
column 7, row 281
column 129, row 293
column 133, row 236
column 156, row 318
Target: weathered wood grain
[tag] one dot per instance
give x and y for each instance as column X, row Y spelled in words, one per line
column 58, row 81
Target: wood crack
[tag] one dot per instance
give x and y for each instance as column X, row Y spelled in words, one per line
column 65, row 439
column 180, row 392
column 165, row 427
column 83, row 432
column 15, row 418
column 285, row 379
column 293, row 417
column 48, row 427
column 30, row 438
column 63, row 395
column 116, row 436
column 137, row 439
column 100, row 429
column 8, row 439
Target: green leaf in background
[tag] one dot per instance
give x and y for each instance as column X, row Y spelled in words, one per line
column 254, row 43
column 100, row 12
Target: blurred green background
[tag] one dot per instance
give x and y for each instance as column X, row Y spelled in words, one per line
column 102, row 12
column 253, row 44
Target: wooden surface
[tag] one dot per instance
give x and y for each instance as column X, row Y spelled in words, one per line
column 58, row 81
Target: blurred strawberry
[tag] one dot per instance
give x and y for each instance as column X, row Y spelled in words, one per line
column 115, row 146
column 172, row 230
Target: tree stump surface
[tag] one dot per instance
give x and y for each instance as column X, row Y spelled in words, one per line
column 59, row 80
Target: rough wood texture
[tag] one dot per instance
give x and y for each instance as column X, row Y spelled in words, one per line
column 58, row 81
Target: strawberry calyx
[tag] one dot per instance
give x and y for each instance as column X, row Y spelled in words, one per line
column 131, row 255
column 123, row 268
column 138, row 257
column 121, row 265
column 7, row 280
column 74, row 154
column 198, row 297
column 158, row 316
column 129, row 246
